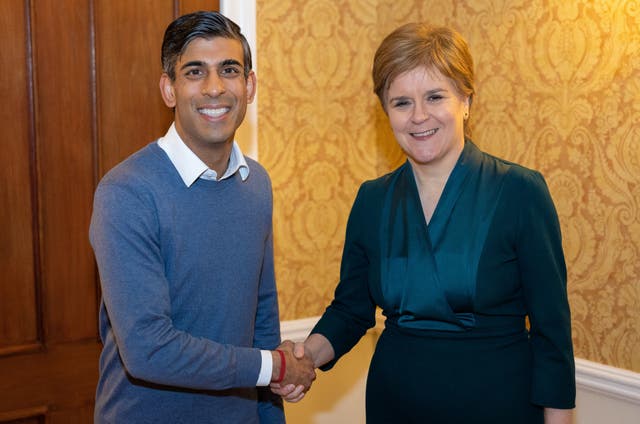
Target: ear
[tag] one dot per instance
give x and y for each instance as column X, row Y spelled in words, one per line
column 467, row 106
column 251, row 86
column 166, row 90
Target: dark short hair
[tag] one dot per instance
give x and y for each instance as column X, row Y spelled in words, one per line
column 203, row 24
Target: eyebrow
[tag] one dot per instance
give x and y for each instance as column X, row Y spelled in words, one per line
column 438, row 90
column 197, row 63
column 428, row 93
column 228, row 62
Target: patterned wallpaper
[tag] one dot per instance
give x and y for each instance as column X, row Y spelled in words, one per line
column 558, row 89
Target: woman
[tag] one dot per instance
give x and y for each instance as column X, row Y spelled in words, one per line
column 458, row 248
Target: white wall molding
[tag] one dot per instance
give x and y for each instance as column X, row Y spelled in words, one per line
column 607, row 380
column 297, row 330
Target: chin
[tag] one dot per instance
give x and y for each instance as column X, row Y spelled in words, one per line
column 423, row 158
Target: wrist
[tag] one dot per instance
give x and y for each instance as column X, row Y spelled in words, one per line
column 279, row 366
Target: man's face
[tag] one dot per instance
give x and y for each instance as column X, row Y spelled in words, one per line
column 210, row 93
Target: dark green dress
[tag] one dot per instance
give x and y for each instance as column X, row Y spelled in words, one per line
column 456, row 293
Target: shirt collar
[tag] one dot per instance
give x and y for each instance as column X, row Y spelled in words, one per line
column 191, row 167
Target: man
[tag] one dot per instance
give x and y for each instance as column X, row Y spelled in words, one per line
column 182, row 234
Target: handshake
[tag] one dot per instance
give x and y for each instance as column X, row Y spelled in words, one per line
column 293, row 371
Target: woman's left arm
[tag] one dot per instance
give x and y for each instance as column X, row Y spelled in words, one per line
column 543, row 277
column 558, row 416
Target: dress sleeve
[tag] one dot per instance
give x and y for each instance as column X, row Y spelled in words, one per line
column 352, row 311
column 125, row 237
column 544, row 280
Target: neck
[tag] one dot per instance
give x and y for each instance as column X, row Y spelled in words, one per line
column 436, row 172
column 215, row 154
column 216, row 157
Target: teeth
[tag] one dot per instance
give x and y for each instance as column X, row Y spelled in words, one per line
column 425, row 133
column 214, row 113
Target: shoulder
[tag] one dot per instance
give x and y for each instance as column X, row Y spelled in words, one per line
column 142, row 175
column 528, row 183
column 256, row 169
column 140, row 166
column 526, row 194
column 368, row 204
column 258, row 181
column 523, row 189
column 517, row 176
column 378, row 187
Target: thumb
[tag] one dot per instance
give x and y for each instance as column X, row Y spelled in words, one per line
column 298, row 350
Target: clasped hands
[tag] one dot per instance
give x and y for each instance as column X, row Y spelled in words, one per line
column 299, row 372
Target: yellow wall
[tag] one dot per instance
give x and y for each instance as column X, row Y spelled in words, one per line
column 558, row 87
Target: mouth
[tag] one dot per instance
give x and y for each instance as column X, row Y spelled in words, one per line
column 425, row 133
column 214, row 112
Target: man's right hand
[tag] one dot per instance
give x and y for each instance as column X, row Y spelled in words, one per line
column 298, row 370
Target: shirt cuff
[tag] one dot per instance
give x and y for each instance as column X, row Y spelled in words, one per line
column 266, row 368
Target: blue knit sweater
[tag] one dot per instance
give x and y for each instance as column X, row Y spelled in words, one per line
column 188, row 294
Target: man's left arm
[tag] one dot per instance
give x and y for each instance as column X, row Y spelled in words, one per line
column 267, row 332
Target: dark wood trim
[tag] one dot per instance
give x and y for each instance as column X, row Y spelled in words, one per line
column 22, row 414
column 33, row 171
column 20, row 349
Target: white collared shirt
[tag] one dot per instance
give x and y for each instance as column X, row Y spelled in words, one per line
column 191, row 167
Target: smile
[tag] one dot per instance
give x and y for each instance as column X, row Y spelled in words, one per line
column 425, row 133
column 214, row 113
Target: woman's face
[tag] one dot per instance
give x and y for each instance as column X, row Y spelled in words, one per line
column 426, row 113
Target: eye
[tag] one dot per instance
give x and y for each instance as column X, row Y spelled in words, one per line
column 435, row 98
column 194, row 73
column 400, row 103
column 230, row 71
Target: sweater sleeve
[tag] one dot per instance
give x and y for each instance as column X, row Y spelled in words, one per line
column 544, row 280
column 267, row 327
column 352, row 311
column 267, row 333
column 125, row 237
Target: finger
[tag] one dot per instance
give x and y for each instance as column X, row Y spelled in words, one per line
column 298, row 399
column 295, row 394
column 302, row 395
column 284, row 390
column 298, row 350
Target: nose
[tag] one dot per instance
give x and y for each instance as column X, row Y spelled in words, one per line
column 420, row 113
column 213, row 85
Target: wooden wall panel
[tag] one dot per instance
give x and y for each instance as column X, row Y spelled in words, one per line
column 131, row 113
column 18, row 318
column 80, row 84
column 130, row 109
column 61, row 380
column 187, row 6
column 65, row 166
column 35, row 415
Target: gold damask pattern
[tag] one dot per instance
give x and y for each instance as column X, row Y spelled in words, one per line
column 558, row 89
